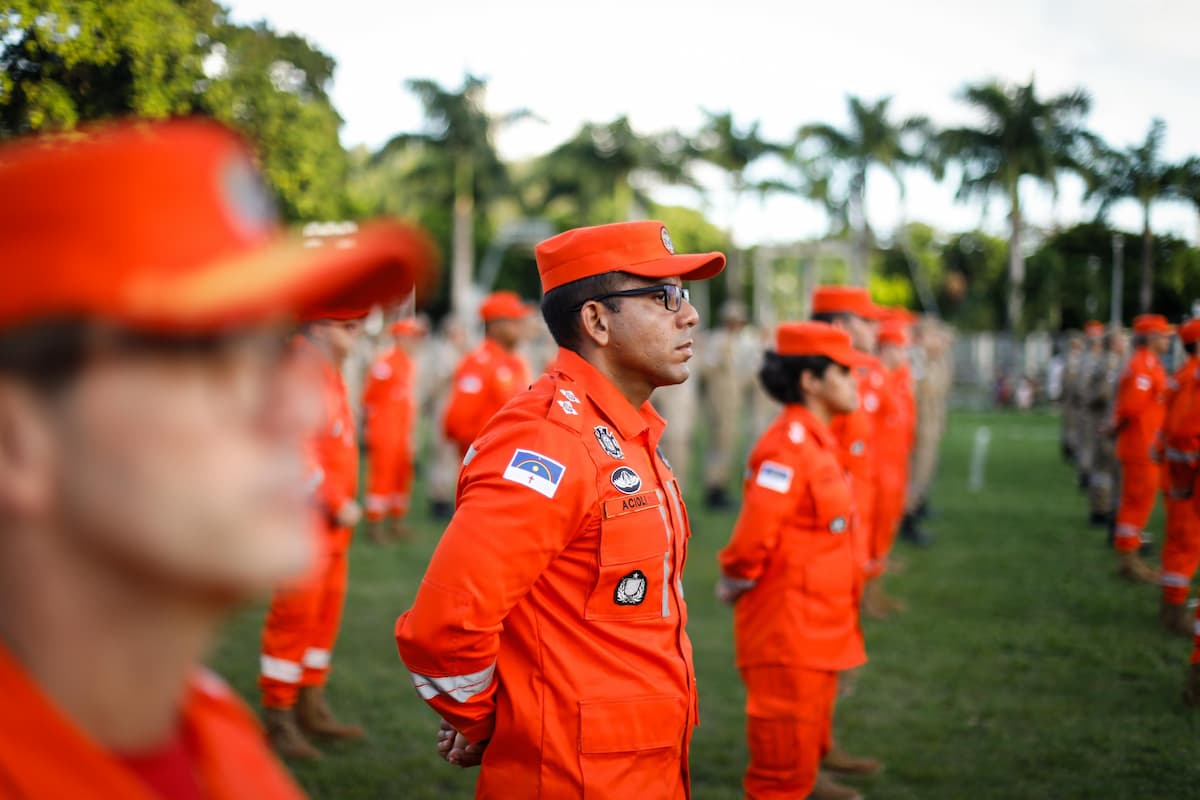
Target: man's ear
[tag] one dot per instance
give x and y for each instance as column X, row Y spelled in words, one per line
column 26, row 453
column 595, row 322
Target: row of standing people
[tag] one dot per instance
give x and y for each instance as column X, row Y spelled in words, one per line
column 1131, row 429
column 878, row 445
column 171, row 446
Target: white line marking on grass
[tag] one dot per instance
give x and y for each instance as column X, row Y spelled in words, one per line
column 983, row 437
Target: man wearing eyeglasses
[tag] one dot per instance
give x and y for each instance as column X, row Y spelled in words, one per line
column 548, row 632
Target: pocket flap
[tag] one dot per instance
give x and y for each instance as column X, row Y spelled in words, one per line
column 632, row 724
column 633, row 537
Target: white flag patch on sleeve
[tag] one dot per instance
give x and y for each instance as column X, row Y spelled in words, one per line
column 774, row 476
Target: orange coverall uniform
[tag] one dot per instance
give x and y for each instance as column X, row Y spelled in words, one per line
column 895, row 435
column 1181, row 550
column 551, row 618
column 488, row 377
column 304, row 617
column 858, row 450
column 389, row 405
column 45, row 755
column 1138, row 418
column 797, row 625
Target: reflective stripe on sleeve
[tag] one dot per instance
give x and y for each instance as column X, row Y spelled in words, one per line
column 1173, row 579
column 317, row 658
column 279, row 669
column 457, row 687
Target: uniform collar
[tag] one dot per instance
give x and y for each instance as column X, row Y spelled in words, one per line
column 493, row 349
column 795, row 412
column 630, row 422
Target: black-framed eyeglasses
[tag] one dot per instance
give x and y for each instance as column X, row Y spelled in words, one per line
column 673, row 297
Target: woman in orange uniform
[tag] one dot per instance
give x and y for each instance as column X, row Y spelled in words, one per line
column 789, row 568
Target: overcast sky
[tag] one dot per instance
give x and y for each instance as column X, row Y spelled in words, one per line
column 783, row 63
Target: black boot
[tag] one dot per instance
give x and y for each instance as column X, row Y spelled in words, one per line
column 1100, row 519
column 716, row 498
column 912, row 533
column 441, row 509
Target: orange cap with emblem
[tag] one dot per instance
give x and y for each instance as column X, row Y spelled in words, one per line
column 167, row 226
column 503, row 305
column 817, row 339
column 1152, row 323
column 845, row 300
column 1190, row 331
column 640, row 248
column 1093, row 328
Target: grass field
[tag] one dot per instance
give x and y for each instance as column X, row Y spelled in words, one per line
column 1023, row 669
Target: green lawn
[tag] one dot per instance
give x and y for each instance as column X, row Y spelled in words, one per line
column 1023, row 669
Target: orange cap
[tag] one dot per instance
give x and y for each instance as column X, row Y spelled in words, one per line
column 167, row 226
column 1151, row 323
column 844, row 300
column 1190, row 331
column 817, row 339
column 409, row 326
column 503, row 305
column 893, row 332
column 639, row 248
column 1093, row 328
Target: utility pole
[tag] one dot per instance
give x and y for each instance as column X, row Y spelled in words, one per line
column 1118, row 277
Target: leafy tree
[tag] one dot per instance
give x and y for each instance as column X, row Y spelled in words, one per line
column 871, row 140
column 973, row 292
column 595, row 174
column 458, row 150
column 1020, row 136
column 1137, row 173
column 273, row 88
column 63, row 62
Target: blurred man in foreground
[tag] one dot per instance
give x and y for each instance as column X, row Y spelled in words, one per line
column 150, row 451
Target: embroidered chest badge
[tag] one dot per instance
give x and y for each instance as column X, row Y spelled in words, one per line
column 609, row 442
column 626, row 480
column 631, row 590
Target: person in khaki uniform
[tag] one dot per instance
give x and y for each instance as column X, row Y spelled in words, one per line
column 1100, row 391
column 439, row 358
column 1093, row 357
column 934, row 375
column 679, row 406
column 1072, row 402
column 731, row 353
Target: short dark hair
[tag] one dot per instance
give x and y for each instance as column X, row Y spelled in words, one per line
column 780, row 375
column 1189, row 348
column 830, row 317
column 46, row 354
column 560, row 305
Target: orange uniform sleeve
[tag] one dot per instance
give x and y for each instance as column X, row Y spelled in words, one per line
column 522, row 498
column 768, row 500
column 380, row 379
column 464, row 415
column 1135, row 393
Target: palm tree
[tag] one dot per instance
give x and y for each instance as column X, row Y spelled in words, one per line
column 1021, row 135
column 871, row 140
column 1187, row 183
column 458, row 135
column 721, row 144
column 1137, row 173
column 597, row 170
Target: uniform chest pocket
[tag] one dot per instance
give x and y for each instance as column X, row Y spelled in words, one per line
column 632, row 562
column 833, row 501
